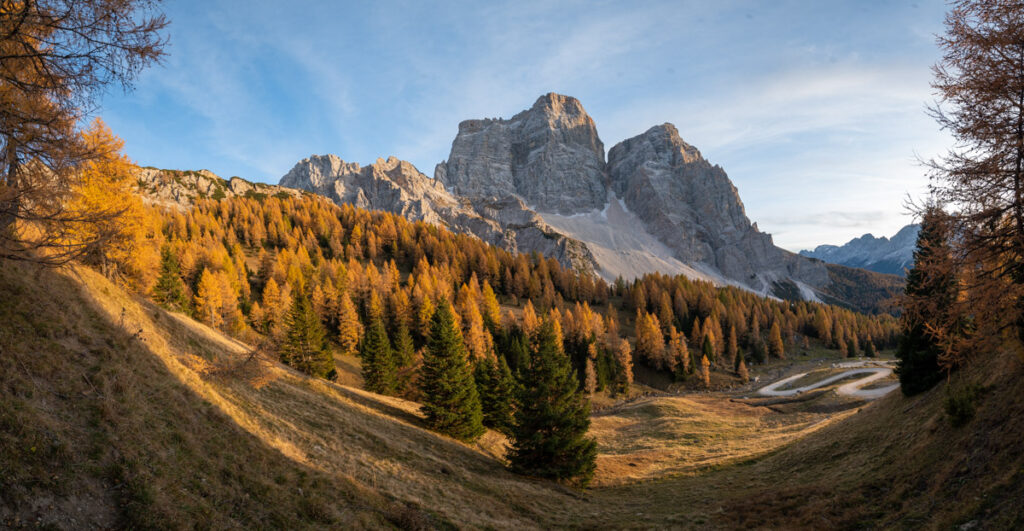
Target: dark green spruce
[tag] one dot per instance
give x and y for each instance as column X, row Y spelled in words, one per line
column 450, row 400
column 552, row 417
column 169, row 290
column 303, row 346
column 929, row 290
column 379, row 364
column 497, row 393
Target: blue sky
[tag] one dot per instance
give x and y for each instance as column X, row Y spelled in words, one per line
column 815, row 109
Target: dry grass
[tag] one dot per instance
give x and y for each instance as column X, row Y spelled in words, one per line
column 114, row 413
column 667, row 436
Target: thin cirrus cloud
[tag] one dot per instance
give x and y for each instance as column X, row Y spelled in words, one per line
column 810, row 107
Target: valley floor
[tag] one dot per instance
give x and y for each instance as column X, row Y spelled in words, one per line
column 114, row 413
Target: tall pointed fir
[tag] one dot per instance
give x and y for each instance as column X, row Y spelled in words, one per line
column 450, row 400
column 930, row 292
column 303, row 346
column 378, row 358
column 552, row 418
column 497, row 393
column 169, row 290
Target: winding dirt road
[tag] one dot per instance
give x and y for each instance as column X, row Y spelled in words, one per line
column 850, row 389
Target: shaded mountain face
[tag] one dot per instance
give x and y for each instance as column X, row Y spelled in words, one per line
column 692, row 207
column 883, row 255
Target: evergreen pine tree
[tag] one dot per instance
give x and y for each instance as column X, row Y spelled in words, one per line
column 169, row 290
column 929, row 291
column 378, row 358
column 552, row 418
column 497, row 393
column 303, row 345
column 404, row 348
column 450, row 400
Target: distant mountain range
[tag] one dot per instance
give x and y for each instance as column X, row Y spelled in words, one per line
column 883, row 255
column 539, row 182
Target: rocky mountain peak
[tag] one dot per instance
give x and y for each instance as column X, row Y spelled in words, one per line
column 549, row 155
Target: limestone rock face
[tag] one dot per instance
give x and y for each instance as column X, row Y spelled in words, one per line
column 396, row 186
column 549, row 155
column 693, row 208
column 180, row 189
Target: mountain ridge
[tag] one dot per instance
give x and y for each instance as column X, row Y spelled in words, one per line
column 880, row 254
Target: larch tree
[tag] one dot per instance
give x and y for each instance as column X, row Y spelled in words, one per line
column 980, row 86
column 57, row 58
column 209, row 299
column 742, row 372
column 552, row 418
column 451, row 403
column 350, row 330
column 776, row 349
column 731, row 347
column 623, row 367
column 705, row 370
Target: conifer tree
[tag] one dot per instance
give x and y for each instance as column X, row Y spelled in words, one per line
column 623, row 367
column 303, row 346
column 590, row 377
column 350, row 330
column 775, row 346
column 379, row 366
column 209, row 300
column 930, row 291
column 742, row 371
column 450, row 400
column 731, row 347
column 705, row 370
column 869, row 348
column 552, row 418
column 169, row 290
column 497, row 390
column 405, row 351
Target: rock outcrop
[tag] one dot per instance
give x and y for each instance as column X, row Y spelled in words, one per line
column 692, row 207
column 396, row 186
column 180, row 189
column 549, row 155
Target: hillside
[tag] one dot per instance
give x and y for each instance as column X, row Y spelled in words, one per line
column 119, row 414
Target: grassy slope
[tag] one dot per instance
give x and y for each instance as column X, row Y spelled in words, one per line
column 110, row 415
column 897, row 463
column 111, row 428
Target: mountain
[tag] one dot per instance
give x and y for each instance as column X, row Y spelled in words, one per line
column 655, row 205
column 539, row 182
column 396, row 186
column 883, row 255
column 549, row 155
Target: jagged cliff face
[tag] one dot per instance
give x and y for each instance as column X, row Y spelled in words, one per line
column 180, row 189
column 396, row 186
column 693, row 208
column 549, row 155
